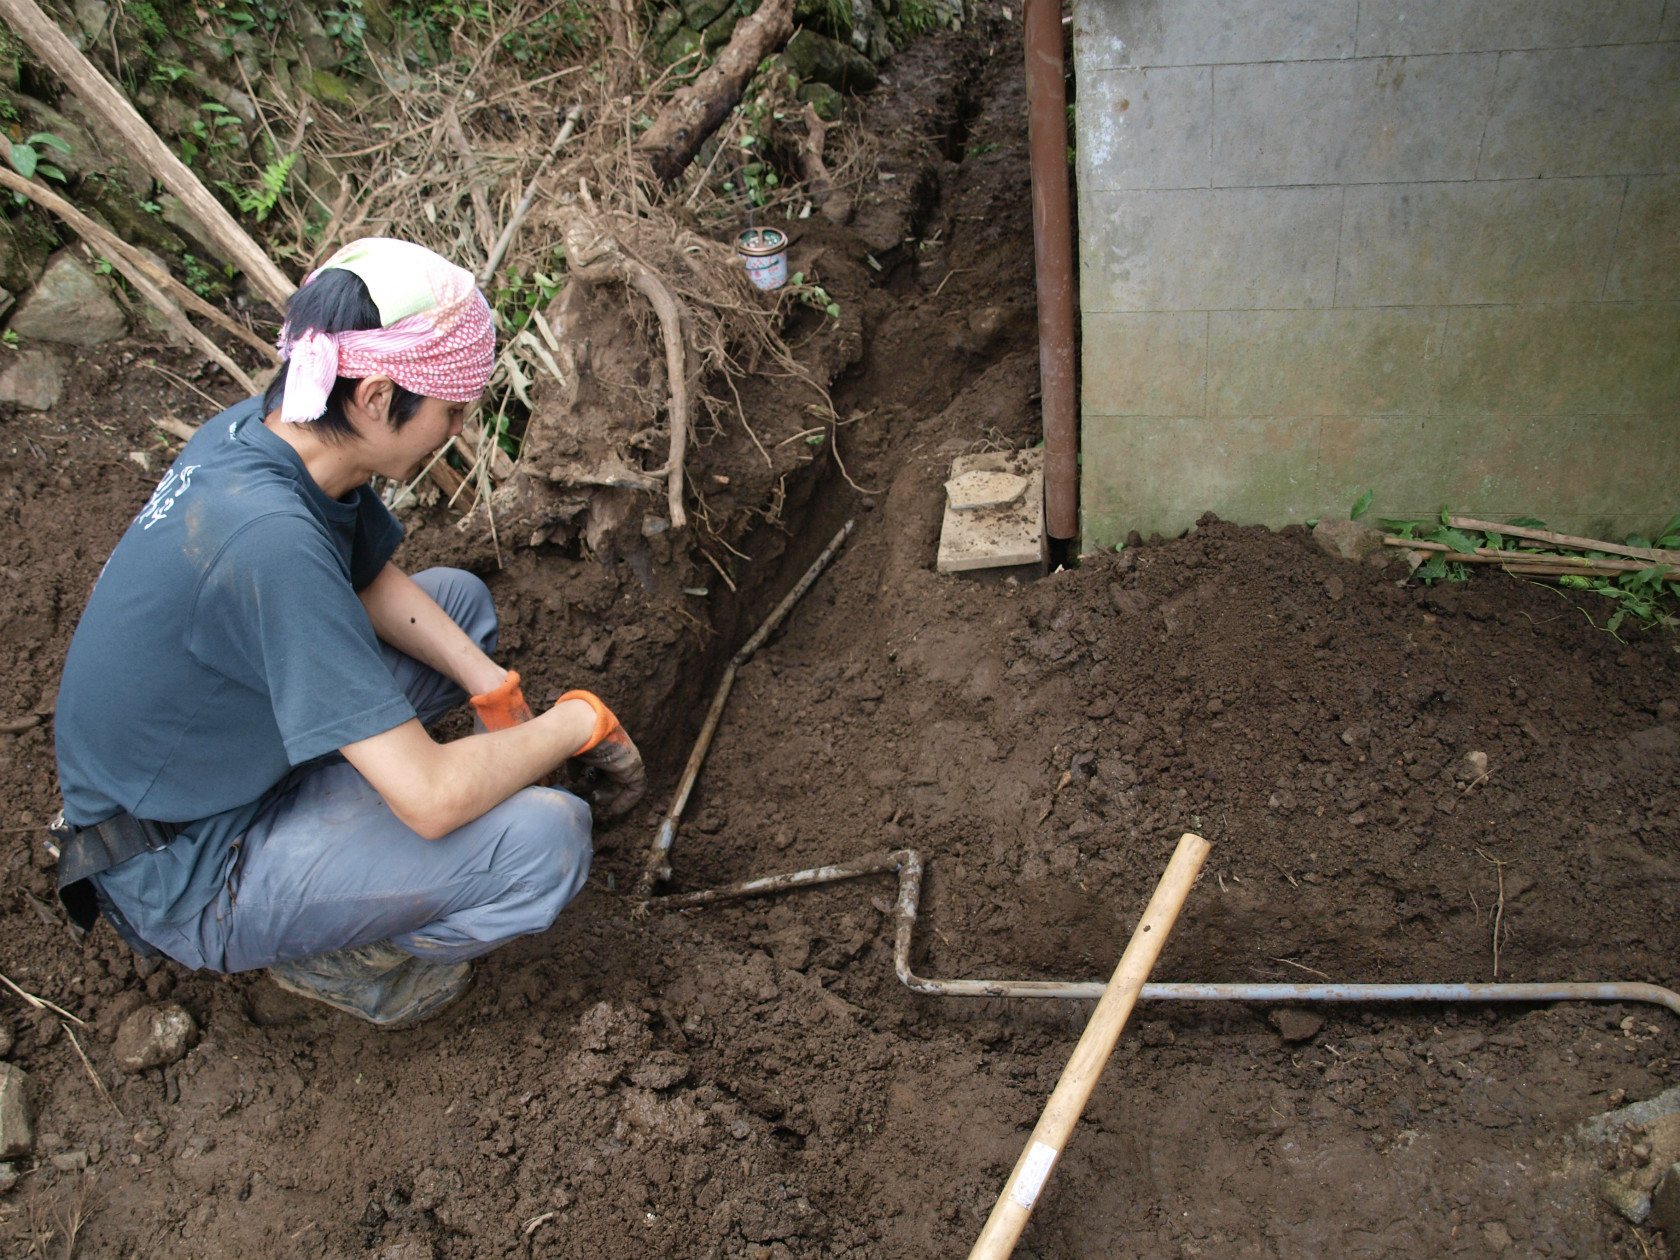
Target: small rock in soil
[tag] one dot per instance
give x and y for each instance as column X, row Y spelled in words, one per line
column 154, row 1036
column 17, row 1122
column 1496, row 1235
column 8, row 1037
column 70, row 305
column 1618, row 1190
column 740, row 1130
column 1293, row 1025
column 1335, row 588
column 118, row 1009
column 8, row 1177
column 1347, row 539
column 1157, row 1032
column 660, row 1070
column 409, row 1247
column 70, row 1161
column 1665, row 1203
column 33, row 379
column 1476, row 764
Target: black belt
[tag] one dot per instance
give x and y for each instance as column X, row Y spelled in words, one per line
column 87, row 851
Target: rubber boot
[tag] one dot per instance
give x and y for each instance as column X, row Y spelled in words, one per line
column 386, row 986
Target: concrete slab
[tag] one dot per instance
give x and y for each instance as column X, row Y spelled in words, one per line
column 996, row 537
column 1350, row 122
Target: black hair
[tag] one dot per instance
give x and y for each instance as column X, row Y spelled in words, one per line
column 337, row 301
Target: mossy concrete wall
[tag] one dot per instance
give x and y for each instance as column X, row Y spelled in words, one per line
column 1426, row 246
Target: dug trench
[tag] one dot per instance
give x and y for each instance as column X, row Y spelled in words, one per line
column 752, row 1080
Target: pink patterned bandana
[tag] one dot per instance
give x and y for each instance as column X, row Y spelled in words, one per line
column 437, row 339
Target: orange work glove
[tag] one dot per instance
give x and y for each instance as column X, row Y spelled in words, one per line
column 611, row 753
column 504, row 707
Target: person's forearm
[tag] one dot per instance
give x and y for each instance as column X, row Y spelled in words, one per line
column 410, row 620
column 435, row 788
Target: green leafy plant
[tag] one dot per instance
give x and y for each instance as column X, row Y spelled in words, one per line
column 517, row 295
column 9, row 339
column 201, row 278
column 25, row 155
column 1362, row 505
column 1642, row 596
column 813, row 295
column 262, row 199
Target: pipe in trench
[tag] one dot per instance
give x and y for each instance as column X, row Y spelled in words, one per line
column 1041, row 22
column 908, row 864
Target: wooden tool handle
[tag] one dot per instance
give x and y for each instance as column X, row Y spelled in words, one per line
column 1015, row 1204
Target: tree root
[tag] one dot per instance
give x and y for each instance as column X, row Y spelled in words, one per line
column 597, row 255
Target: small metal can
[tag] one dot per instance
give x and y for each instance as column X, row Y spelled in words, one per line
column 764, row 251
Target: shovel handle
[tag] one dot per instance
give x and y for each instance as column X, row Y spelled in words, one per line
column 1015, row 1203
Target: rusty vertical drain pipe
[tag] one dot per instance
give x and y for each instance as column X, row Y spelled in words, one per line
column 1053, row 250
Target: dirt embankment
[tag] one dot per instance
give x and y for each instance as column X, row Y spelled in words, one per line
column 752, row 1080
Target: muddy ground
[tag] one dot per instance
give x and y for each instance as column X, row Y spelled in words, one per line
column 753, row 1080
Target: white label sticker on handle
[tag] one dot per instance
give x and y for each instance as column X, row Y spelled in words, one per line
column 1035, row 1170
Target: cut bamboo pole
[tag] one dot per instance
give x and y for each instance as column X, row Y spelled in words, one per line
column 1655, row 555
column 1489, row 555
column 1015, row 1204
column 54, row 48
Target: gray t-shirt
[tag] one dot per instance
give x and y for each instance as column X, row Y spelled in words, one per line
column 223, row 646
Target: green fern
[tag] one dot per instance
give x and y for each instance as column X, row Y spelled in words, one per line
column 261, row 200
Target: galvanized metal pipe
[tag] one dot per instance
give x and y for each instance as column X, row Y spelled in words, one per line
column 658, row 865
column 1041, row 21
column 908, row 864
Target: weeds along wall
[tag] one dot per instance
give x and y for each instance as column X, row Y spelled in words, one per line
column 1430, row 247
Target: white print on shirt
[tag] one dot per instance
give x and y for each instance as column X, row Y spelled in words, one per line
column 172, row 487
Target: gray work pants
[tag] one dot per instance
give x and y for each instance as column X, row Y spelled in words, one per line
column 330, row 866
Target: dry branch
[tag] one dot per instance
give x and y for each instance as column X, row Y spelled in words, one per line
column 1490, row 555
column 475, row 185
column 573, row 115
column 697, row 110
column 54, row 48
column 1654, row 555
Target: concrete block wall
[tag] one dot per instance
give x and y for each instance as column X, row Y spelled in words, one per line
column 1426, row 246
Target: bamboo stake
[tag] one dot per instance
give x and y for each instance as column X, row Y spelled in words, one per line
column 1655, row 555
column 1015, row 1203
column 106, row 244
column 1488, row 555
column 54, row 48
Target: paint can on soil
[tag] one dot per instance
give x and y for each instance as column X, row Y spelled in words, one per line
column 764, row 250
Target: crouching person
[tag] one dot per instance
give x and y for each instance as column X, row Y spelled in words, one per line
column 241, row 727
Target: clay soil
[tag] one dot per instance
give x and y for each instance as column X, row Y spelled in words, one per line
column 752, row 1080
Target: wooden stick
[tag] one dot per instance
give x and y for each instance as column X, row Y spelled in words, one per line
column 1015, row 1203
column 1488, row 555
column 523, row 208
column 1550, row 570
column 115, row 248
column 1655, row 555
column 54, row 48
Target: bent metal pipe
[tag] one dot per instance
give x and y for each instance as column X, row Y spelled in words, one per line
column 908, row 864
